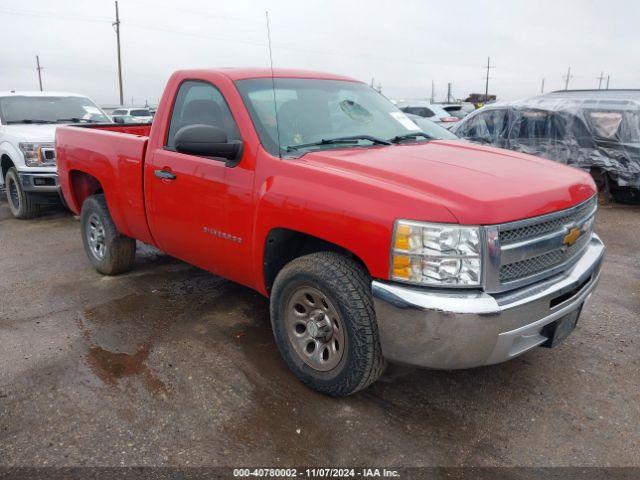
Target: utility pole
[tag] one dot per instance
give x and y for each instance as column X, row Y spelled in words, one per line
column 542, row 87
column 433, row 91
column 600, row 79
column 567, row 77
column 608, row 76
column 39, row 68
column 449, row 92
column 116, row 24
column 486, row 85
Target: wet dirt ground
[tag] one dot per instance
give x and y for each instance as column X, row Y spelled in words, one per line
column 169, row 365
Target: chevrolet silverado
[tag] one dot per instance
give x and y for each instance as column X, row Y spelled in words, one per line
column 373, row 241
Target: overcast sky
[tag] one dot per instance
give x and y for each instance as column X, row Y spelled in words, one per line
column 404, row 44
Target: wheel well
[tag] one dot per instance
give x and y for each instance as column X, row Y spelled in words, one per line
column 283, row 245
column 83, row 186
column 5, row 165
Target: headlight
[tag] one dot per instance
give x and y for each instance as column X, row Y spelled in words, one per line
column 436, row 254
column 38, row 154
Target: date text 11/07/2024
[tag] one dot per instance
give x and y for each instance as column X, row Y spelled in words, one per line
column 316, row 473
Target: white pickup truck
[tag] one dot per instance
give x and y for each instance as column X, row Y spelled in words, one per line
column 28, row 121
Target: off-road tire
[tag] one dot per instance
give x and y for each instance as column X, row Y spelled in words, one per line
column 119, row 250
column 347, row 286
column 26, row 207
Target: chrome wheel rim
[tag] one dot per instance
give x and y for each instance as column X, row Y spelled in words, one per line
column 315, row 329
column 96, row 236
column 13, row 194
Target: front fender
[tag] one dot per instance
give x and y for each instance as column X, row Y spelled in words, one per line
column 342, row 207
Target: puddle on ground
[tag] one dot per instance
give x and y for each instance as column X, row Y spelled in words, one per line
column 111, row 367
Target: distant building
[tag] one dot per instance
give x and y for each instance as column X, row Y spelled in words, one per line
column 479, row 99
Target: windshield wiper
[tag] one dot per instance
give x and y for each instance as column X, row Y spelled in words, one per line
column 77, row 120
column 339, row 140
column 410, row 136
column 28, row 120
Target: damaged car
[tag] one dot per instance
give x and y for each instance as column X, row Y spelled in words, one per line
column 595, row 130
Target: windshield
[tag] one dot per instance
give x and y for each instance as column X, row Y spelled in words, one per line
column 433, row 129
column 141, row 112
column 22, row 109
column 120, row 112
column 312, row 110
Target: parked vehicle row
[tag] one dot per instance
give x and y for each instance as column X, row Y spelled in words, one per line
column 28, row 121
column 132, row 115
column 459, row 110
column 373, row 240
column 434, row 112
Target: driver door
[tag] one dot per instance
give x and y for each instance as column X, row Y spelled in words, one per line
column 188, row 193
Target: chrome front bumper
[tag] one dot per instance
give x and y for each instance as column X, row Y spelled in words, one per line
column 39, row 182
column 450, row 329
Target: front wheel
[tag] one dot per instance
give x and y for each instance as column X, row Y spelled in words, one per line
column 109, row 251
column 324, row 323
column 20, row 202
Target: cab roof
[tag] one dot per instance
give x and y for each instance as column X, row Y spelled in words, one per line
column 247, row 73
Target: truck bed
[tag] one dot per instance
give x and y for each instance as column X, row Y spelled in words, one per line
column 115, row 154
column 138, row 129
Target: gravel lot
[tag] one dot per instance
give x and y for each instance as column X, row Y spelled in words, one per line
column 169, row 365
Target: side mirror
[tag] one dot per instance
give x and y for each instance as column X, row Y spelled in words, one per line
column 207, row 141
column 118, row 119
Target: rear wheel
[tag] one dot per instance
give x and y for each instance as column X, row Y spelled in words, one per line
column 324, row 323
column 109, row 251
column 20, row 202
column 626, row 195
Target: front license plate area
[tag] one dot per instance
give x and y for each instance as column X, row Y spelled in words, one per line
column 557, row 331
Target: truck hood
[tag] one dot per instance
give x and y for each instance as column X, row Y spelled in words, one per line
column 477, row 184
column 44, row 133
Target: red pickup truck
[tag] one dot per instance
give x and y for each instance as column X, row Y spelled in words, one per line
column 373, row 241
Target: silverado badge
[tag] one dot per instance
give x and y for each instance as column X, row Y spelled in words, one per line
column 572, row 237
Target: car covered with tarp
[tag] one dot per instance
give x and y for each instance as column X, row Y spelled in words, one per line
column 595, row 130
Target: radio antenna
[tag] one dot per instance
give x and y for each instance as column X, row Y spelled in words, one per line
column 273, row 84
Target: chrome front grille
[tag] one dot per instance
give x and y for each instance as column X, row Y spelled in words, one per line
column 534, row 265
column 541, row 228
column 522, row 252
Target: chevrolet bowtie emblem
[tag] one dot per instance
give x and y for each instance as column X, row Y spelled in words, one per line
column 572, row 237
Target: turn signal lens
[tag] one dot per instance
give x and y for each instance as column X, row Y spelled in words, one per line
column 408, row 238
column 401, row 266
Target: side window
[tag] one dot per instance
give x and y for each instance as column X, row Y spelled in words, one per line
column 426, row 112
column 200, row 103
column 476, row 128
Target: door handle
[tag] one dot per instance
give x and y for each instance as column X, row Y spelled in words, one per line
column 165, row 175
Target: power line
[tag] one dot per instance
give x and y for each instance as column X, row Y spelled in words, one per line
column 116, row 24
column 567, row 77
column 39, row 68
column 486, row 85
column 48, row 15
column 161, row 28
